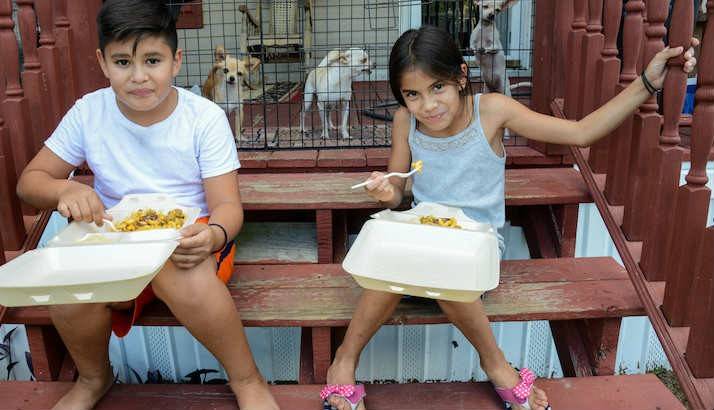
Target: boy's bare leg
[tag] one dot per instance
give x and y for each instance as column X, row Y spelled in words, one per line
column 85, row 330
column 471, row 319
column 373, row 309
column 203, row 304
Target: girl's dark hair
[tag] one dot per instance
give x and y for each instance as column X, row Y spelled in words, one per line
column 429, row 49
column 120, row 20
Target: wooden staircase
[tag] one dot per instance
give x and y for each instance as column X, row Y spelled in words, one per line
column 583, row 298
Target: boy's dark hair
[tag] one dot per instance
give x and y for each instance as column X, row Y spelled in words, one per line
column 429, row 49
column 120, row 20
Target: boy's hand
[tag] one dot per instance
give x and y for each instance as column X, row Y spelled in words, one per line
column 196, row 245
column 81, row 203
column 657, row 68
column 379, row 187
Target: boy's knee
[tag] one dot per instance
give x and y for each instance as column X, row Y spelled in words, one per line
column 182, row 286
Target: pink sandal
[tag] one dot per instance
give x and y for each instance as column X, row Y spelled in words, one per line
column 520, row 393
column 352, row 393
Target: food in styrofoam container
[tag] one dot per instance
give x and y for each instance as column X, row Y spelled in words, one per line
column 148, row 219
column 395, row 253
column 80, row 233
column 82, row 274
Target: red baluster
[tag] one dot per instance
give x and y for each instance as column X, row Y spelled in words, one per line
column 543, row 57
column 63, row 34
column 573, row 74
column 15, row 105
column 49, row 58
column 593, row 43
column 645, row 132
column 617, row 167
column 34, row 80
column 12, row 229
column 607, row 72
column 88, row 75
column 692, row 201
column 663, row 177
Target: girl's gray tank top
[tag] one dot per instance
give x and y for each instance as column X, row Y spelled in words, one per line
column 462, row 171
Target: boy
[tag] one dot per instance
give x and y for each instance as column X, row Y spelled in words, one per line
column 143, row 135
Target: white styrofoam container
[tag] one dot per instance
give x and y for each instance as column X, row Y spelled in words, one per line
column 82, row 274
column 394, row 253
column 82, row 233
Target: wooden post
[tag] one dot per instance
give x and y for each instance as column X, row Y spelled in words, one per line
column 692, row 201
column 325, row 249
column 645, row 132
column 63, row 34
column 322, row 353
column 15, row 105
column 82, row 15
column 49, row 58
column 573, row 73
column 543, row 50
column 48, row 351
column 593, row 43
column 607, row 71
column 12, row 228
column 664, row 166
column 700, row 349
column 617, row 167
column 34, row 80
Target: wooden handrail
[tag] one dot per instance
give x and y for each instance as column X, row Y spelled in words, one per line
column 251, row 19
column 676, row 359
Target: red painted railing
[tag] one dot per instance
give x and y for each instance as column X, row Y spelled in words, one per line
column 659, row 228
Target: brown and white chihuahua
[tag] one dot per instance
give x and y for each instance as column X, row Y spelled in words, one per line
column 225, row 84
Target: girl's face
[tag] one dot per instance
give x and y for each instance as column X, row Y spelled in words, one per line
column 437, row 104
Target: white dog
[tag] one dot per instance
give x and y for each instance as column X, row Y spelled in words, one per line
column 224, row 84
column 332, row 82
column 486, row 43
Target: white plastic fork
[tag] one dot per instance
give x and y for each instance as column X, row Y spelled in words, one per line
column 391, row 174
column 111, row 225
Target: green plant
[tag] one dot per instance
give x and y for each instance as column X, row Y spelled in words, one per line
column 198, row 376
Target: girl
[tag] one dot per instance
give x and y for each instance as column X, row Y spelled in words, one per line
column 459, row 135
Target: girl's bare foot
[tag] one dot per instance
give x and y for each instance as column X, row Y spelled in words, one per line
column 86, row 392
column 253, row 394
column 342, row 372
column 506, row 377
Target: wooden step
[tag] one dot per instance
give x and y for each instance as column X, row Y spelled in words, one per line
column 355, row 158
column 529, row 186
column 639, row 392
column 331, row 190
column 312, row 295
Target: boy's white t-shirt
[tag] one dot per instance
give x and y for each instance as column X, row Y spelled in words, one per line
column 173, row 156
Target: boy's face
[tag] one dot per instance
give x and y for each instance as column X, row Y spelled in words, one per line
column 142, row 80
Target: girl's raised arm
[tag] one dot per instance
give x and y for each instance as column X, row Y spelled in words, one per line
column 517, row 117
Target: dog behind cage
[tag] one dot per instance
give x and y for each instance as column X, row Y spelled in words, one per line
column 293, row 39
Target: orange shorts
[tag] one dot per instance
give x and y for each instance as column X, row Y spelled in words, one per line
column 122, row 320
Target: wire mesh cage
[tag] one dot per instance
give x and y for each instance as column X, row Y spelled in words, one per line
column 313, row 73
